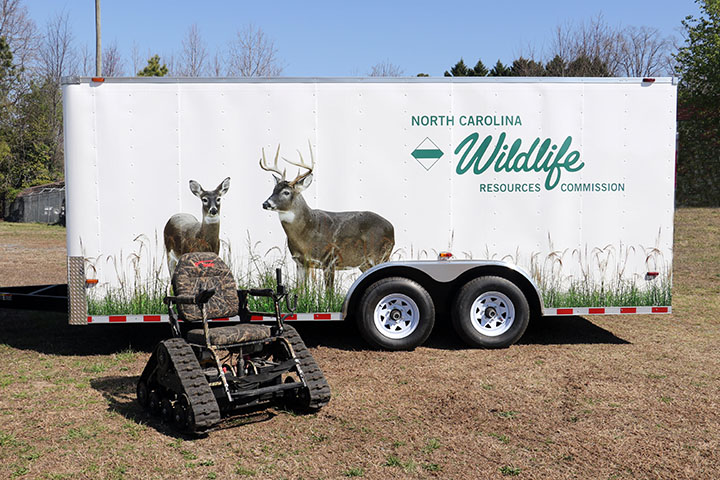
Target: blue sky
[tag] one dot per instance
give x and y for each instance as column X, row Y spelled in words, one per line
column 342, row 38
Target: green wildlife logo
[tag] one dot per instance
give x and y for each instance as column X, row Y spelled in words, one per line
column 509, row 158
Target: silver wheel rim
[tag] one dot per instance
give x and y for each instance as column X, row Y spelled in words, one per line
column 492, row 314
column 396, row 316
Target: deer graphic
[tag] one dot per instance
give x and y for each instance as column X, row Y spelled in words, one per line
column 322, row 239
column 183, row 233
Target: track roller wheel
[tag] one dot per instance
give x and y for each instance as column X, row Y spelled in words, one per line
column 163, row 356
column 183, row 414
column 154, row 402
column 143, row 395
column 166, row 410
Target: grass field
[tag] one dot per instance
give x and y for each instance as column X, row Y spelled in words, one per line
column 614, row 397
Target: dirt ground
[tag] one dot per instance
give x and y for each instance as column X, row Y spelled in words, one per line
column 602, row 397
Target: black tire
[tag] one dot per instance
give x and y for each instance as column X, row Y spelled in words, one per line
column 490, row 312
column 396, row 313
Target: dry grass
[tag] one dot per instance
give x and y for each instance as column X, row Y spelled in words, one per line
column 615, row 398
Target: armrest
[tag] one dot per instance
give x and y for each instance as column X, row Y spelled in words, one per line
column 201, row 298
column 262, row 292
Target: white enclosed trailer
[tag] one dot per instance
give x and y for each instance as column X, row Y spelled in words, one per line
column 555, row 196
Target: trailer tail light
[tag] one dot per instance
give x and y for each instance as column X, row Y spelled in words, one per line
column 445, row 256
column 91, row 281
column 98, row 79
column 651, row 275
column 648, row 80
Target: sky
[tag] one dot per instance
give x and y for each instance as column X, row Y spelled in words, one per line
column 346, row 38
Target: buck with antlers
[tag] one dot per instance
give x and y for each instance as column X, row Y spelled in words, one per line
column 184, row 234
column 321, row 239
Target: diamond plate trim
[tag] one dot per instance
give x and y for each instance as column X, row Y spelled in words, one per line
column 77, row 303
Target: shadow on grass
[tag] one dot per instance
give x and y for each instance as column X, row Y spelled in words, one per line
column 568, row 330
column 119, row 392
column 565, row 330
column 49, row 333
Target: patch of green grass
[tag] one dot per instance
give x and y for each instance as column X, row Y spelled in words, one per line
column 432, row 467
column 318, row 437
column 19, row 471
column 132, row 429
column 509, row 471
column 501, row 437
column 126, row 356
column 354, row 472
column 81, row 433
column 188, row 455
column 431, row 445
column 6, row 380
column 394, row 461
column 98, row 367
column 8, row 440
column 244, row 472
column 666, row 399
column 507, row 414
column 118, row 472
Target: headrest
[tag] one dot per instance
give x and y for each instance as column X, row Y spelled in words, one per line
column 200, row 271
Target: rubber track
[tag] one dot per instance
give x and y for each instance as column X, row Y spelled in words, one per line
column 195, row 385
column 318, row 386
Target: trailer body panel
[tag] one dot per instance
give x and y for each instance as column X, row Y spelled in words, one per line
column 569, row 180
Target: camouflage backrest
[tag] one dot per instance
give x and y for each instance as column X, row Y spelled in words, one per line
column 201, row 271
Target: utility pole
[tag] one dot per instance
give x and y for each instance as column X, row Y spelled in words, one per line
column 98, row 50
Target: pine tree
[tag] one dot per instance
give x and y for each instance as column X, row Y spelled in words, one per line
column 500, row 70
column 459, row 70
column 153, row 68
column 479, row 70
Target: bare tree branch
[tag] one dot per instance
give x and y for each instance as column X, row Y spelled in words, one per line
column 644, row 52
column 112, row 61
column 193, row 57
column 386, row 69
column 253, row 54
column 216, row 67
column 20, row 32
column 594, row 41
column 135, row 58
column 57, row 56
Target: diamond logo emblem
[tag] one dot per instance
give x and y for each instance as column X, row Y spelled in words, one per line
column 427, row 153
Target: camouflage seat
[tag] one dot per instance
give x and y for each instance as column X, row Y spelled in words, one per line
column 231, row 334
column 200, row 271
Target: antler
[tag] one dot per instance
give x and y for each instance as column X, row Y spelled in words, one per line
column 302, row 164
column 274, row 168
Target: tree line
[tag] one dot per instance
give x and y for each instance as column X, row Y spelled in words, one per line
column 33, row 61
column 590, row 49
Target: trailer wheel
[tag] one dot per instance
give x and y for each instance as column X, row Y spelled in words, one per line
column 490, row 312
column 396, row 313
